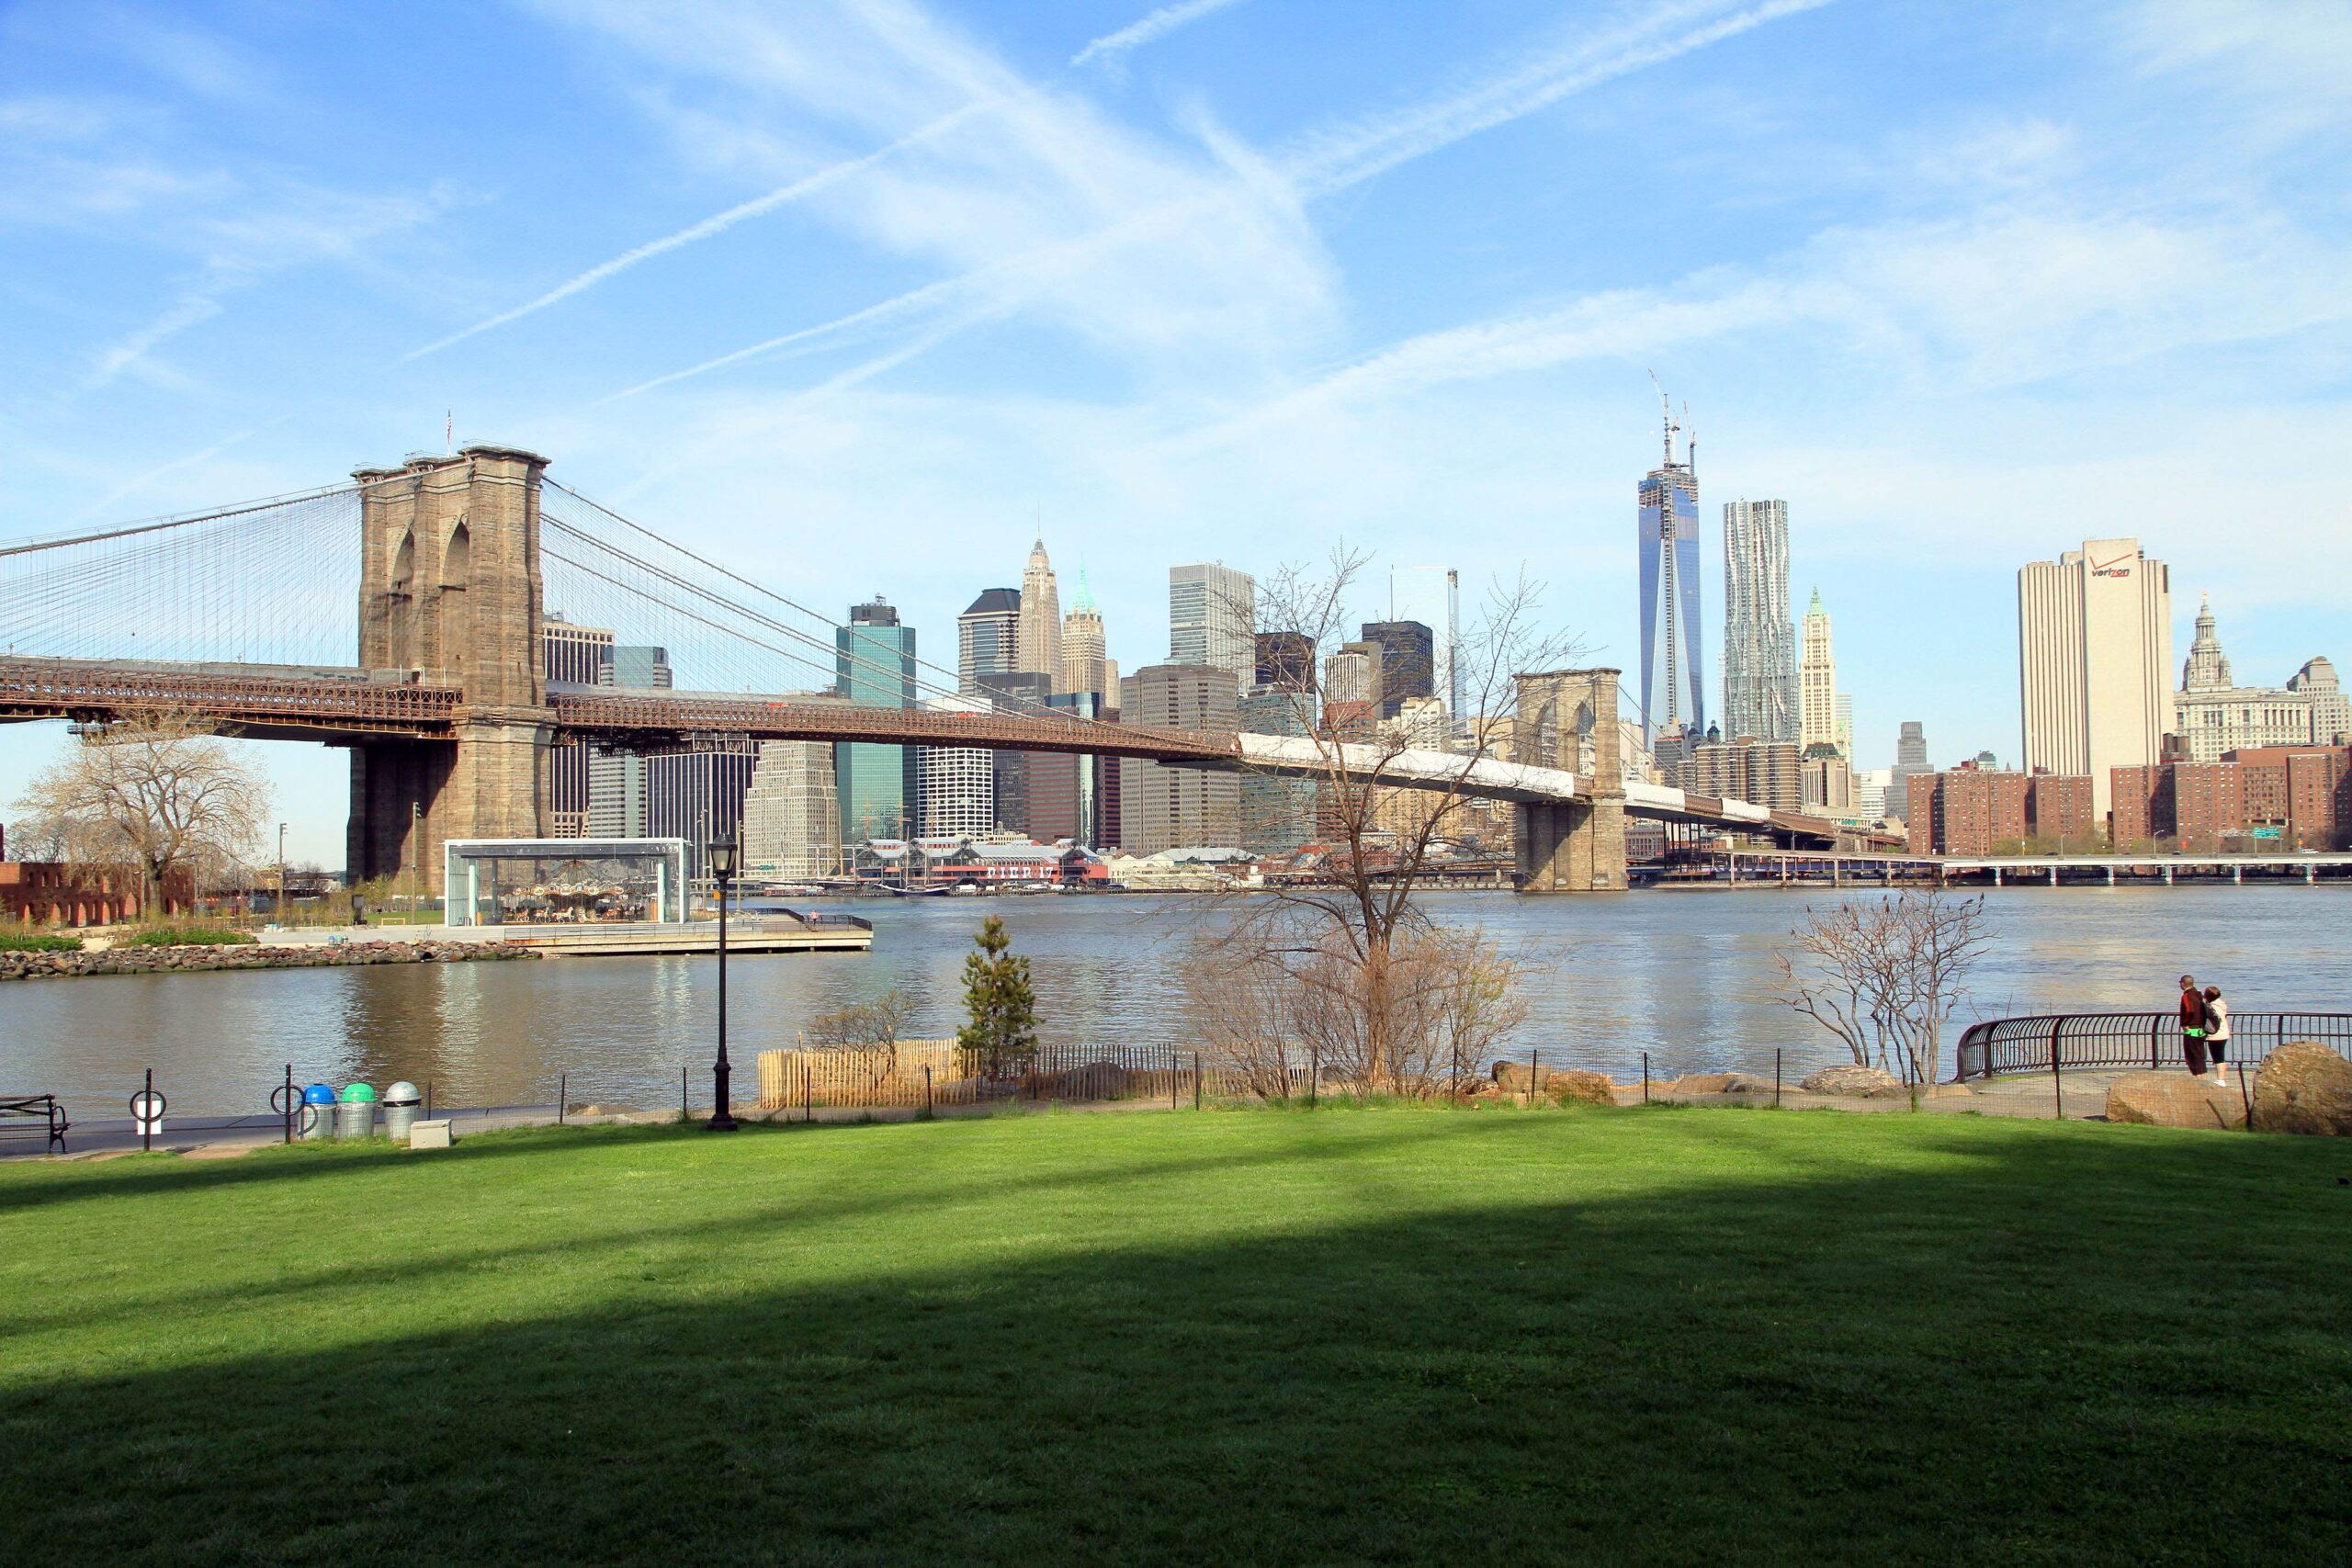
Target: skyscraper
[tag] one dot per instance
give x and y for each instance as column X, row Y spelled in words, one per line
column 1910, row 760
column 1212, row 619
column 1084, row 647
column 1351, row 690
column 874, row 662
column 1760, row 695
column 1021, row 693
column 1817, row 714
column 696, row 792
column 1040, row 646
column 1167, row 807
column 1669, row 546
column 988, row 638
column 1407, row 662
column 792, row 820
column 618, row 806
column 2095, row 663
column 575, row 656
column 1286, row 661
column 955, row 785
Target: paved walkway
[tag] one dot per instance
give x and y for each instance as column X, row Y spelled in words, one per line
column 2083, row 1098
column 2079, row 1095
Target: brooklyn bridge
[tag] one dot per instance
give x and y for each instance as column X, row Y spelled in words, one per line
column 243, row 616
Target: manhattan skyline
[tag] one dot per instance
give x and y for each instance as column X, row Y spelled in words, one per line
column 870, row 297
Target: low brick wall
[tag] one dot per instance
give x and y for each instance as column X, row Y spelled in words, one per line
column 191, row 960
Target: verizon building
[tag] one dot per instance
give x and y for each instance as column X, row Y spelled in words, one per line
column 2095, row 662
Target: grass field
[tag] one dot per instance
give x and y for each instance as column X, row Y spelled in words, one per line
column 1641, row 1335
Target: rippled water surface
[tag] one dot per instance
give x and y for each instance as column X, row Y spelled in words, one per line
column 1685, row 976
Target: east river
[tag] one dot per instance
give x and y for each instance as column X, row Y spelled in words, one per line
column 1685, row 976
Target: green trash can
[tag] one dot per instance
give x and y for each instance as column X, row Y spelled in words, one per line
column 355, row 1117
column 402, row 1104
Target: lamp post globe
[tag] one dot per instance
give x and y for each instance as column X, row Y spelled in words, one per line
column 720, row 857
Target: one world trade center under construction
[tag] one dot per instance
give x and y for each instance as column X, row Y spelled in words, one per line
column 1669, row 535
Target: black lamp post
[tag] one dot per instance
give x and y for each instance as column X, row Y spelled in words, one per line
column 721, row 854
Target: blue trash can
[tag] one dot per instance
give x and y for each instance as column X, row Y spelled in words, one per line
column 315, row 1122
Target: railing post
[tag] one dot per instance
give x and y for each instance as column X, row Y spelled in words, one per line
column 927, row 1089
column 2057, row 1084
column 2155, row 1034
column 1776, row 1077
column 1196, row 1080
column 1645, row 1077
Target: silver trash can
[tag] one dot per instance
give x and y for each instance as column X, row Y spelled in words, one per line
column 402, row 1105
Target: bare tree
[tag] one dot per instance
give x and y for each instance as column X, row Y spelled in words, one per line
column 870, row 1029
column 1264, row 1014
column 1243, row 1015
column 1884, row 976
column 1368, row 974
column 162, row 795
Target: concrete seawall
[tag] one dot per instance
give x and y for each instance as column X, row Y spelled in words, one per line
column 192, row 960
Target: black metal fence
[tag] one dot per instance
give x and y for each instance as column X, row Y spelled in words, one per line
column 2055, row 1042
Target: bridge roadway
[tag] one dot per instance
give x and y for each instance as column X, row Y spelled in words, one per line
column 330, row 704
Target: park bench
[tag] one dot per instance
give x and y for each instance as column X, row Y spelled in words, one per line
column 41, row 1117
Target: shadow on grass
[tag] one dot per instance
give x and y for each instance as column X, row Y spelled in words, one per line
column 1779, row 1348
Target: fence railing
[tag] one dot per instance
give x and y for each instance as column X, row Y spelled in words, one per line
column 2055, row 1042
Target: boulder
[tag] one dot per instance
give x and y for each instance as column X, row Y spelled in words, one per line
column 1854, row 1081
column 1577, row 1088
column 2174, row 1100
column 1511, row 1078
column 2305, row 1087
column 1719, row 1083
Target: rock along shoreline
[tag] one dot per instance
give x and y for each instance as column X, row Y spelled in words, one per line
column 195, row 960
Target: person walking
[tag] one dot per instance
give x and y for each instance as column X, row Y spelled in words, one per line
column 2216, row 1033
column 2192, row 1024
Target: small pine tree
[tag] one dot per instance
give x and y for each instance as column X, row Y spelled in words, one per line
column 1003, row 1031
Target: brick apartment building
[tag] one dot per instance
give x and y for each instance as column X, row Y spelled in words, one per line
column 2260, row 797
column 1981, row 811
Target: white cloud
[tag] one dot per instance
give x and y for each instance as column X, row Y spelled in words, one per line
column 1349, row 154
column 1991, row 298
column 1112, row 50
column 1137, row 210
column 251, row 238
column 718, row 223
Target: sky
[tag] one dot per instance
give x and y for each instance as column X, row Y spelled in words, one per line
column 865, row 294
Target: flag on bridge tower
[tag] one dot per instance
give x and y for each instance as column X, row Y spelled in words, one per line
column 448, row 430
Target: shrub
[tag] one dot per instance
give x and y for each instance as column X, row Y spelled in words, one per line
column 191, row 936
column 10, row 941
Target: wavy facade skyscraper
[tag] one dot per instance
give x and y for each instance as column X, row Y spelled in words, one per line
column 1759, row 640
column 1673, row 675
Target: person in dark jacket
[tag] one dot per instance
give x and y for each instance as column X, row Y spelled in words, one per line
column 2192, row 1024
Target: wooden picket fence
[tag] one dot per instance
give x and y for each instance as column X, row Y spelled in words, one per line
column 939, row 1071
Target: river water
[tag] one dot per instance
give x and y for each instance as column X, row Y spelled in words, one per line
column 1685, row 976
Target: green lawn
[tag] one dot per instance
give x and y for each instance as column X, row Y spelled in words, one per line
column 1665, row 1336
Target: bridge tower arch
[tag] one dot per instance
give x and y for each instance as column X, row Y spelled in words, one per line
column 450, row 593
column 1568, row 718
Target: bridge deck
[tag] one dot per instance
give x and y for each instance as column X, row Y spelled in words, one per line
column 290, row 702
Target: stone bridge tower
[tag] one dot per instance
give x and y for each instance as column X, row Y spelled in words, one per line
column 1568, row 718
column 449, row 591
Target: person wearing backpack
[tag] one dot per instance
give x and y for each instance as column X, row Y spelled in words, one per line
column 2216, row 1033
column 2192, row 1024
